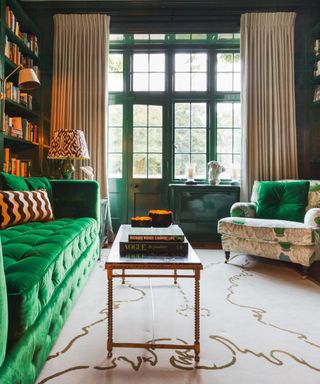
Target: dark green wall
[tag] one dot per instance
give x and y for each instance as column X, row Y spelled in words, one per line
column 197, row 16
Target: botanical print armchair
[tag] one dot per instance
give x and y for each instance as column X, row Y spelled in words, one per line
column 285, row 240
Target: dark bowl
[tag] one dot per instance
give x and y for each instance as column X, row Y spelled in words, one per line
column 141, row 223
column 161, row 220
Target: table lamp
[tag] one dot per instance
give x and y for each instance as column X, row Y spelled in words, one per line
column 68, row 144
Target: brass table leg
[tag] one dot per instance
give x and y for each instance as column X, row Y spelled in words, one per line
column 123, row 278
column 110, row 310
column 197, row 315
column 175, row 276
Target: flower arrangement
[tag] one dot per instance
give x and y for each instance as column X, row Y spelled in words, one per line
column 214, row 170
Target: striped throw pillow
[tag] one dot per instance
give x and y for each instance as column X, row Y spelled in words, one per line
column 19, row 207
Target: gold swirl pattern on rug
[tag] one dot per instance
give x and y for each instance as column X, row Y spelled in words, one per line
column 258, row 313
column 104, row 312
column 184, row 359
column 186, row 308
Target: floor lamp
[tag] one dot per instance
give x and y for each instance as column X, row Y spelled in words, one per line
column 28, row 81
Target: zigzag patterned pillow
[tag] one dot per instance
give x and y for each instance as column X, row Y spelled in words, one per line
column 19, row 207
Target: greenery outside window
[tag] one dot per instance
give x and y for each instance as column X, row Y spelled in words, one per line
column 193, row 82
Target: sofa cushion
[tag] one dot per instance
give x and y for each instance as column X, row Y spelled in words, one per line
column 19, row 207
column 282, row 200
column 267, row 230
column 37, row 258
column 12, row 183
column 35, row 183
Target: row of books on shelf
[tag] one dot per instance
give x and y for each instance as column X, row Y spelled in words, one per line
column 30, row 40
column 316, row 48
column 12, row 52
column 13, row 93
column 15, row 166
column 21, row 128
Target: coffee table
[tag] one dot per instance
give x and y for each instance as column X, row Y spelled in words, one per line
column 180, row 266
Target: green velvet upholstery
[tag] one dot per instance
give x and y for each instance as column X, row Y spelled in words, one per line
column 35, row 183
column 70, row 199
column 46, row 264
column 12, row 183
column 37, row 257
column 3, row 311
column 285, row 200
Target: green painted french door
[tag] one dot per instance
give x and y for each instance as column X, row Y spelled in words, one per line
column 147, row 162
column 138, row 166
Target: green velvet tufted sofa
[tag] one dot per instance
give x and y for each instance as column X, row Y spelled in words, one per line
column 42, row 269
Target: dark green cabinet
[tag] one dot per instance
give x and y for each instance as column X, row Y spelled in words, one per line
column 198, row 208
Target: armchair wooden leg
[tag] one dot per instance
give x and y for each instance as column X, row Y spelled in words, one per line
column 305, row 271
column 227, row 256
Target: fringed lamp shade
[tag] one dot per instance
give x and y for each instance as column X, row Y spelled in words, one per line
column 68, row 144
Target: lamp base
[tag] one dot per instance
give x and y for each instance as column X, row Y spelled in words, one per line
column 67, row 169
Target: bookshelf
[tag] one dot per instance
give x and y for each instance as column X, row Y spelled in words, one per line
column 22, row 142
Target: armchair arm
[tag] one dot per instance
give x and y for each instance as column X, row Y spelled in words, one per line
column 76, row 198
column 243, row 210
column 312, row 217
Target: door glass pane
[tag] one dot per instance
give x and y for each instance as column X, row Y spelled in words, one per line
column 140, row 143
column 155, row 140
column 147, row 141
column 140, row 166
column 154, row 166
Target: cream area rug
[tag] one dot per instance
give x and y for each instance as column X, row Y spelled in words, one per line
column 259, row 324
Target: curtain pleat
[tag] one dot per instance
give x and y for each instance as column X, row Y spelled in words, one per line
column 79, row 88
column 269, row 147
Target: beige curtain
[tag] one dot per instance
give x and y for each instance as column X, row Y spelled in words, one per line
column 79, row 86
column 269, row 148
column 79, row 94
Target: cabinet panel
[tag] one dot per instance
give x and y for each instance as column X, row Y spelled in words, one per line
column 197, row 209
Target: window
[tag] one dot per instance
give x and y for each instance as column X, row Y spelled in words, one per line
column 148, row 72
column 179, row 95
column 115, row 78
column 190, row 71
column 115, row 138
column 190, row 138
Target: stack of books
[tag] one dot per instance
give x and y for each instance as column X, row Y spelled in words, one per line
column 144, row 242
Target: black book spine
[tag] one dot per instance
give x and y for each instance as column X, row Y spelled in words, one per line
column 154, row 248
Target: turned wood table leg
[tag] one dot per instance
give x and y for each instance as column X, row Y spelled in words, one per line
column 197, row 315
column 110, row 312
column 175, row 276
column 123, row 276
